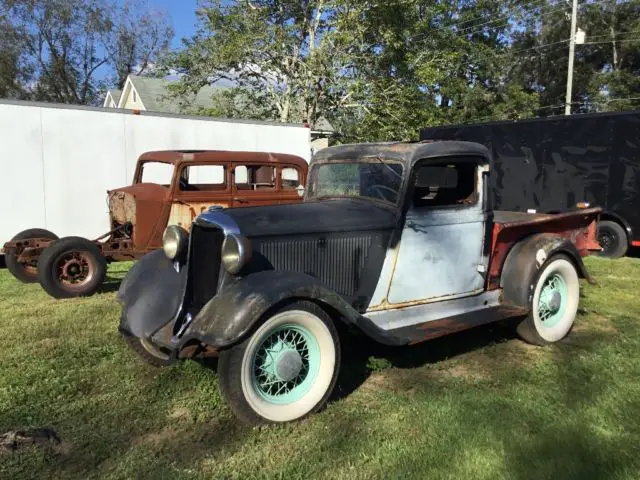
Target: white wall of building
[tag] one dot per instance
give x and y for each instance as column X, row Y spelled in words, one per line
column 58, row 163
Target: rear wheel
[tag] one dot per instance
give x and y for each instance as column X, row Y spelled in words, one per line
column 285, row 370
column 613, row 239
column 26, row 272
column 554, row 305
column 71, row 267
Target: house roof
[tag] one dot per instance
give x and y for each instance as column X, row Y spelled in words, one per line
column 323, row 125
column 115, row 94
column 155, row 95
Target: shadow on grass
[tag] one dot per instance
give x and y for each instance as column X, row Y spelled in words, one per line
column 358, row 349
column 112, row 282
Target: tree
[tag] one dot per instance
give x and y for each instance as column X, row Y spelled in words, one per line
column 606, row 67
column 276, row 52
column 139, row 39
column 73, row 49
column 13, row 71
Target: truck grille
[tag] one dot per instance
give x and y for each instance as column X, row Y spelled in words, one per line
column 204, row 264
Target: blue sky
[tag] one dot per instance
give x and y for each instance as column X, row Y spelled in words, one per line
column 183, row 16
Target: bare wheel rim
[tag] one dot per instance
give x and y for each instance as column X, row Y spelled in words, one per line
column 149, row 346
column 74, row 270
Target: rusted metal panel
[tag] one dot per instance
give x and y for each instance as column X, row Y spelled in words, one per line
column 122, row 206
column 183, row 213
column 579, row 227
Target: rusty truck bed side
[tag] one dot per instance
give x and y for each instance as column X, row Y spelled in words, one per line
column 580, row 227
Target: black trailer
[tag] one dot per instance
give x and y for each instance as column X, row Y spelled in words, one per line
column 553, row 164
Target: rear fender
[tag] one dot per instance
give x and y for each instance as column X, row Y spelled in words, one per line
column 229, row 316
column 525, row 259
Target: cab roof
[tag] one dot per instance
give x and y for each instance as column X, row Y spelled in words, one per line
column 221, row 156
column 406, row 152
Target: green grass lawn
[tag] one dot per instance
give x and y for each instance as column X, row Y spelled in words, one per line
column 475, row 405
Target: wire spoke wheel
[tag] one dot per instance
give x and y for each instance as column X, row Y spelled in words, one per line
column 285, row 364
column 554, row 304
column 285, row 369
column 553, row 300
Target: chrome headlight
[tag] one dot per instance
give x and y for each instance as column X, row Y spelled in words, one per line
column 236, row 252
column 174, row 241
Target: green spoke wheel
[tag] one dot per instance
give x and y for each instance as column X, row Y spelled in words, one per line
column 554, row 303
column 285, row 370
column 286, row 364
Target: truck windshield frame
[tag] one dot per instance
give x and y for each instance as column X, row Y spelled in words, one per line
column 373, row 179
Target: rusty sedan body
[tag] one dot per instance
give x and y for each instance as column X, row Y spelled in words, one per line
column 168, row 188
column 396, row 241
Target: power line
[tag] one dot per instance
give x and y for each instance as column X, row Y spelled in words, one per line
column 480, row 17
column 544, row 45
column 466, row 31
column 542, row 14
column 612, row 41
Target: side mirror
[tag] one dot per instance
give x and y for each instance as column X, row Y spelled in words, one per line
column 300, row 190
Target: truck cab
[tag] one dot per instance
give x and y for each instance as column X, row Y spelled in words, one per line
column 396, row 241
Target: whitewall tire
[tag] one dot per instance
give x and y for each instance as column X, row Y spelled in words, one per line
column 554, row 304
column 285, row 370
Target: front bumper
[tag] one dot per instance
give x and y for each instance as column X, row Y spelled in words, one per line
column 151, row 298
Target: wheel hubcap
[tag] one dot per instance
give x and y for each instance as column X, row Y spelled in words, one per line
column 285, row 364
column 553, row 300
column 74, row 269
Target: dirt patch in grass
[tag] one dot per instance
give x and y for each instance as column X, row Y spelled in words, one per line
column 158, row 438
column 595, row 322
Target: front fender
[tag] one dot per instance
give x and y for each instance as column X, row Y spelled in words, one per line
column 150, row 295
column 229, row 316
column 525, row 259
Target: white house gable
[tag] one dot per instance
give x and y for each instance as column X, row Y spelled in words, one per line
column 130, row 98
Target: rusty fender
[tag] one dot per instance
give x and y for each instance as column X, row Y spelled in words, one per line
column 524, row 261
column 229, row 316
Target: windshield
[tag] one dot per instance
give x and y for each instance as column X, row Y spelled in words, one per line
column 380, row 180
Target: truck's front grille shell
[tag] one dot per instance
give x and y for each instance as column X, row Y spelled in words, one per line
column 204, row 264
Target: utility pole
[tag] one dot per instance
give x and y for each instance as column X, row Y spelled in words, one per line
column 572, row 49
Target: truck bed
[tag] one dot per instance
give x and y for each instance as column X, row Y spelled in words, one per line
column 578, row 226
column 515, row 219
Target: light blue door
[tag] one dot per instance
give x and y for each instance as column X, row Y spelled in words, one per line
column 441, row 251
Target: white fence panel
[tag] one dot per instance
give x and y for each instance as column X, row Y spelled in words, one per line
column 58, row 163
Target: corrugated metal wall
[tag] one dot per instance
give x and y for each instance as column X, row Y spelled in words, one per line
column 57, row 163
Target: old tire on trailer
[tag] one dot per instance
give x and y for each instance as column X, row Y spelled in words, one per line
column 26, row 273
column 554, row 302
column 148, row 351
column 285, row 370
column 613, row 239
column 71, row 267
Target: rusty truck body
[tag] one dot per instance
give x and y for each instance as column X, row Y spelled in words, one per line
column 185, row 183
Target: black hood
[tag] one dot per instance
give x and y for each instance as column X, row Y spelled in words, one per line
column 345, row 215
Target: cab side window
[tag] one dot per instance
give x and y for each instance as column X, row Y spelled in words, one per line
column 290, row 178
column 255, row 177
column 450, row 184
column 198, row 178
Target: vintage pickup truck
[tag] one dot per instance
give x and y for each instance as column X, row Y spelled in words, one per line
column 169, row 188
column 394, row 240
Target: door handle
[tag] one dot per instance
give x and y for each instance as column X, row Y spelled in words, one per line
column 240, row 200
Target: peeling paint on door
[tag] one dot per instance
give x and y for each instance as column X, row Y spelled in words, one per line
column 183, row 214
